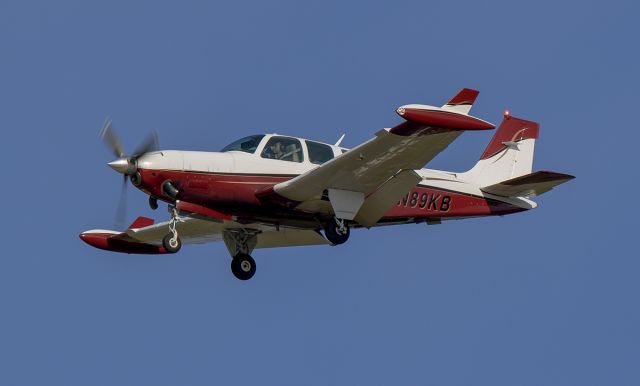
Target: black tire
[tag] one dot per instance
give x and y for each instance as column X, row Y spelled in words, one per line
column 166, row 243
column 243, row 266
column 332, row 234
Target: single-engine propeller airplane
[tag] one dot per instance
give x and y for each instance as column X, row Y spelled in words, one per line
column 272, row 190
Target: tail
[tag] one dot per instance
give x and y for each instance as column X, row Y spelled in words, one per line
column 505, row 167
column 508, row 155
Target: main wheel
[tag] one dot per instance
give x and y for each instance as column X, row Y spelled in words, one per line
column 243, row 266
column 336, row 235
column 170, row 245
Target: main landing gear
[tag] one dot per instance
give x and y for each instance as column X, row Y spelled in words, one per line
column 171, row 242
column 243, row 266
column 240, row 243
column 336, row 231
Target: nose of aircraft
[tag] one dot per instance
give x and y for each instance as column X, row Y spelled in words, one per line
column 123, row 165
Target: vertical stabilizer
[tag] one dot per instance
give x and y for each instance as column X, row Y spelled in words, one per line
column 508, row 155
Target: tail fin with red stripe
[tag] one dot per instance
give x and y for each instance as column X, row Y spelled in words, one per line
column 508, row 155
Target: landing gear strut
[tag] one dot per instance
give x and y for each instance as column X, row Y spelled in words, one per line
column 153, row 203
column 171, row 242
column 240, row 243
column 336, row 231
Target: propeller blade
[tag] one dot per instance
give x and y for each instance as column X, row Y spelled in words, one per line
column 111, row 140
column 121, row 213
column 149, row 144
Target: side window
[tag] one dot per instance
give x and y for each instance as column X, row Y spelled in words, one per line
column 319, row 153
column 283, row 148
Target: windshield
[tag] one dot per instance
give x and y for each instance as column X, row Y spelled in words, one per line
column 246, row 144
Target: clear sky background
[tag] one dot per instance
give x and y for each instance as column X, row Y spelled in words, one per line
column 548, row 297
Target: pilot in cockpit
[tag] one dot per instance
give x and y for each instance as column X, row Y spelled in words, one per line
column 275, row 150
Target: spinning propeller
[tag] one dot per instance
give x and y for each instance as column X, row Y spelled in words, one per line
column 125, row 164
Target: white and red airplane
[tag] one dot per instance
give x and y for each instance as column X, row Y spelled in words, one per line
column 272, row 190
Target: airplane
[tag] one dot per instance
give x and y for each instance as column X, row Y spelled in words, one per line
column 272, row 190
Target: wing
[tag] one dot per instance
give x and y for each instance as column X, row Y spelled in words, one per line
column 365, row 181
column 197, row 231
column 145, row 237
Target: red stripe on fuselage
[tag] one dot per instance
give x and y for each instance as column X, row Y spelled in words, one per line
column 211, row 188
column 422, row 201
column 249, row 196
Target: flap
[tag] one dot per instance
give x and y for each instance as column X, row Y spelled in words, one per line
column 379, row 202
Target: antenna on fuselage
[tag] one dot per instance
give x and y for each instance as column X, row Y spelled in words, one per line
column 340, row 140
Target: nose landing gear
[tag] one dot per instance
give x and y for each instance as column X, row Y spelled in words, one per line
column 171, row 242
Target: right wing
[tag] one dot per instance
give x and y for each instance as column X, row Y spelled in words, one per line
column 365, row 181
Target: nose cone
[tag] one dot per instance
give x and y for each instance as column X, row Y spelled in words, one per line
column 122, row 165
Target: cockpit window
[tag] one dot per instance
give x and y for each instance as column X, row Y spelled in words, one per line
column 246, row 144
column 319, row 153
column 283, row 148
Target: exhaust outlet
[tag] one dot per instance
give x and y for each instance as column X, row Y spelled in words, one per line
column 169, row 190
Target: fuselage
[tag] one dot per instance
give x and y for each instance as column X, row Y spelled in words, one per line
column 234, row 181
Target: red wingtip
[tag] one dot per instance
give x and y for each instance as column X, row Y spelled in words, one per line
column 466, row 96
column 97, row 240
column 115, row 243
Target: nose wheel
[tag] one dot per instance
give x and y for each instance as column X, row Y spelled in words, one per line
column 171, row 242
column 243, row 266
column 337, row 231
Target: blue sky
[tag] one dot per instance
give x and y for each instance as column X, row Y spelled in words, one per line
column 547, row 297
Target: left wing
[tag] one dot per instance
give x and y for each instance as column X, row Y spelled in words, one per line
column 144, row 237
column 197, row 231
column 365, row 181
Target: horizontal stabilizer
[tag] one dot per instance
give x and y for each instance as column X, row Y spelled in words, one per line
column 533, row 184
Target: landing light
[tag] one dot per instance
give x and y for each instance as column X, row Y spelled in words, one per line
column 506, row 113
